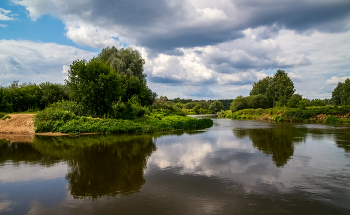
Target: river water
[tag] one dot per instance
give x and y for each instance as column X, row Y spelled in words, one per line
column 234, row 167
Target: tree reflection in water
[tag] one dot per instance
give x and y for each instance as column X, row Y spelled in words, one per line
column 102, row 165
column 278, row 140
column 98, row 165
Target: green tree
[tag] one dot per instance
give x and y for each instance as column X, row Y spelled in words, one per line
column 52, row 93
column 280, row 89
column 94, row 85
column 345, row 92
column 239, row 103
column 317, row 102
column 216, row 106
column 260, row 87
column 129, row 64
column 258, row 101
column 293, row 102
column 336, row 94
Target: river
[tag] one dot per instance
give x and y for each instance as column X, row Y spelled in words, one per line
column 234, row 167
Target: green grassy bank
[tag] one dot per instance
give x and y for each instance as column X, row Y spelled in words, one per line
column 68, row 122
column 324, row 114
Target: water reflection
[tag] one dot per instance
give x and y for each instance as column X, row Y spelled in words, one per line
column 222, row 170
column 278, row 141
column 97, row 166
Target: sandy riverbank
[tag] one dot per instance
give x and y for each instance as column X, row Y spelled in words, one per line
column 18, row 124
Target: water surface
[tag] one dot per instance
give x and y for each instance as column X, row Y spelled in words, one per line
column 235, row 167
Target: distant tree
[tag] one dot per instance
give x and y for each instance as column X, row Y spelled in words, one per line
column 189, row 105
column 345, row 92
column 258, row 101
column 302, row 104
column 216, row 106
column 52, row 93
column 317, row 102
column 336, row 94
column 341, row 94
column 293, row 102
column 261, row 86
column 95, row 85
column 239, row 103
column 281, row 88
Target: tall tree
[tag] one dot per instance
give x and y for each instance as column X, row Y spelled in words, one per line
column 95, row 85
column 281, row 88
column 129, row 64
column 336, row 94
column 260, row 87
column 345, row 93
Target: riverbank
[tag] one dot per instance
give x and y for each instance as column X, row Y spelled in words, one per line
column 24, row 124
column 17, row 124
column 326, row 114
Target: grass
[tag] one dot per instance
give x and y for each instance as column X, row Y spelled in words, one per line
column 4, row 116
column 65, row 121
column 324, row 114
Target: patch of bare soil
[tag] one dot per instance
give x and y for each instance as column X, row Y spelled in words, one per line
column 18, row 124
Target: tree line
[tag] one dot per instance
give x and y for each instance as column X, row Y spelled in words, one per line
column 113, row 83
column 278, row 91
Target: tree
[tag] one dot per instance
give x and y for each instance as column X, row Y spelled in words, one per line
column 129, row 64
column 341, row 94
column 345, row 92
column 258, row 101
column 239, row 103
column 281, row 88
column 293, row 102
column 95, row 85
column 260, row 87
column 52, row 93
column 336, row 94
column 216, row 106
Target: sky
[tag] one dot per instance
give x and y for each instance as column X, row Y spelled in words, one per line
column 199, row 49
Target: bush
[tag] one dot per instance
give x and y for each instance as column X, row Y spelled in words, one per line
column 258, row 101
column 239, row 103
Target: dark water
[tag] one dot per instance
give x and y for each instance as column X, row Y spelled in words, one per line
column 235, row 167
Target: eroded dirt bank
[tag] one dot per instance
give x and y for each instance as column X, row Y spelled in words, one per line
column 18, row 124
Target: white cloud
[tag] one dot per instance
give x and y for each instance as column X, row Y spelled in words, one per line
column 336, row 80
column 3, row 15
column 28, row 61
column 223, row 42
column 26, row 172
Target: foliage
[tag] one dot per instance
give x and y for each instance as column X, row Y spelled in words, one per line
column 20, row 97
column 293, row 102
column 127, row 62
column 66, row 122
column 258, row 101
column 94, row 85
column 261, row 86
column 302, row 104
column 325, row 114
column 239, row 103
column 216, row 106
column 341, row 94
column 281, row 88
column 317, row 102
column 52, row 93
column 336, row 94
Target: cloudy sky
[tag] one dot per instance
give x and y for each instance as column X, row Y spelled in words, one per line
column 193, row 48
